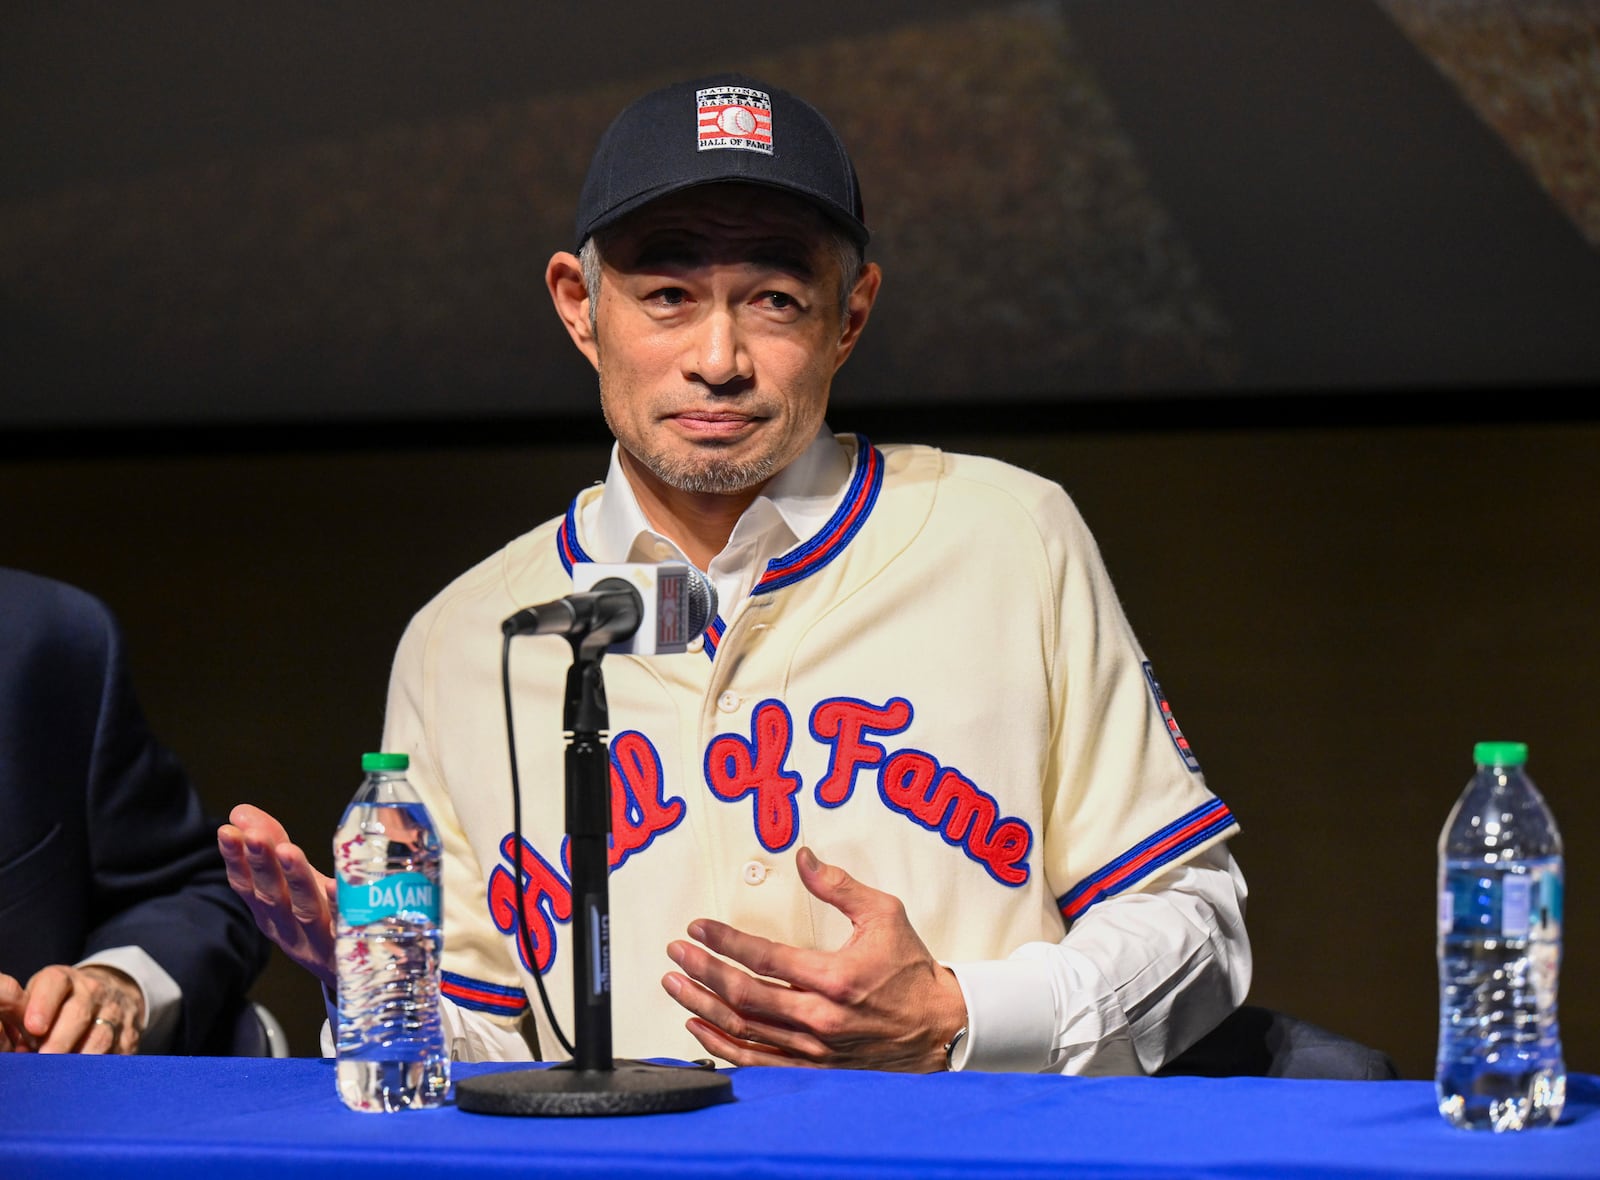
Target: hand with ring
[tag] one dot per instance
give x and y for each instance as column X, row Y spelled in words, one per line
column 91, row 1009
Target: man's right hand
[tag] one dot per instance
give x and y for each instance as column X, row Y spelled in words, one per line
column 292, row 902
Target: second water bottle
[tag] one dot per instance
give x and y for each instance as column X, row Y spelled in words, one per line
column 1499, row 948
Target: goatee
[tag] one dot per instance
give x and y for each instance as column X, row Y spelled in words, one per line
column 709, row 476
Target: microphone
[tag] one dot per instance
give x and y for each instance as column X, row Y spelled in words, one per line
column 635, row 608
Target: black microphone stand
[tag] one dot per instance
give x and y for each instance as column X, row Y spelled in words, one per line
column 592, row 1083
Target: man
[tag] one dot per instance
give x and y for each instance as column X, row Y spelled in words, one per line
column 917, row 801
column 118, row 931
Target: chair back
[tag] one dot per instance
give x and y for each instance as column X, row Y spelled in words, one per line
column 1260, row 1042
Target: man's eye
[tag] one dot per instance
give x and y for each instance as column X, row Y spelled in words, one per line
column 672, row 296
column 780, row 301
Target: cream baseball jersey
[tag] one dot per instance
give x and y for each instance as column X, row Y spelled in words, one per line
column 939, row 692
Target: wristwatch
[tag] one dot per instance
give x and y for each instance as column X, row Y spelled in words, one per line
column 954, row 1056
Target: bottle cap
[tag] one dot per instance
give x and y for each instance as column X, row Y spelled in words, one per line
column 1500, row 753
column 385, row 761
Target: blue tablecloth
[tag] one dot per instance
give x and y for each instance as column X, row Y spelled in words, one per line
column 239, row 1118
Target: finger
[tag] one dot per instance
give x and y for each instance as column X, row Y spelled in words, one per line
column 313, row 901
column 761, row 956
column 18, row 1039
column 832, row 885
column 101, row 1037
column 14, row 1038
column 299, row 914
column 739, row 1025
column 117, row 1003
column 127, row 1039
column 48, row 990
column 73, row 1029
column 244, row 852
column 258, row 825
column 97, row 1004
column 230, row 842
column 291, row 903
column 266, row 873
column 102, row 1012
column 719, row 1044
column 752, row 996
column 249, row 839
column 312, row 896
column 13, row 1000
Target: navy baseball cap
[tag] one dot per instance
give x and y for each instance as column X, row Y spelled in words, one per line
column 720, row 128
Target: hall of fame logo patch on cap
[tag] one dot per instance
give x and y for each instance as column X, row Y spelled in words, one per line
column 1171, row 722
column 734, row 117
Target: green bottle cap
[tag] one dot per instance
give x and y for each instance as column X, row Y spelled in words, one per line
column 1500, row 753
column 385, row 761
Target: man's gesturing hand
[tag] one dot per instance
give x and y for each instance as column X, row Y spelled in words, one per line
column 292, row 902
column 880, row 1001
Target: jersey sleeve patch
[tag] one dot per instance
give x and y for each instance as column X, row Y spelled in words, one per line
column 1171, row 722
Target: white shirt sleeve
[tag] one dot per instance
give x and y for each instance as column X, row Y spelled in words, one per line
column 163, row 998
column 1138, row 978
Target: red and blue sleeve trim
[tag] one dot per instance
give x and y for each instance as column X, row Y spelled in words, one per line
column 483, row 997
column 1148, row 856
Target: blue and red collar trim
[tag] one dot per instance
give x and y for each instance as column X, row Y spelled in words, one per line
column 805, row 559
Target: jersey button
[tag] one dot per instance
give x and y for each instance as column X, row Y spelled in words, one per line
column 728, row 701
column 754, row 872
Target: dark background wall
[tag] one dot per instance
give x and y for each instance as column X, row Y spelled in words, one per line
column 224, row 212
column 1299, row 301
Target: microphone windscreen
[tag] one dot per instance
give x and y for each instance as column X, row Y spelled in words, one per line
column 678, row 601
column 702, row 601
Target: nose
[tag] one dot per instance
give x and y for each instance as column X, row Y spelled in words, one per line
column 717, row 355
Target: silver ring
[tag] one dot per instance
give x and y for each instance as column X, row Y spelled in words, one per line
column 111, row 1024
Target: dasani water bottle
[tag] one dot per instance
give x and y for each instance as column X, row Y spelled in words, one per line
column 389, row 1042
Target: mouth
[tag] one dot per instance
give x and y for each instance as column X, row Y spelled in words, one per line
column 714, row 425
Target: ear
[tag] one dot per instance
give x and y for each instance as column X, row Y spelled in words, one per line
column 859, row 306
column 564, row 279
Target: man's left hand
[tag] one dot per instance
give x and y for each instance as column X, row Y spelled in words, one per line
column 880, row 1001
column 93, row 1009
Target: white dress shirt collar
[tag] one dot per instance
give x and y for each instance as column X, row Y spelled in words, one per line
column 794, row 505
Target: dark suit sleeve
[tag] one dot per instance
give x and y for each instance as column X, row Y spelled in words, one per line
column 154, row 877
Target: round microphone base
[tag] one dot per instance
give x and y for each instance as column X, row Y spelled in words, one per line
column 629, row 1087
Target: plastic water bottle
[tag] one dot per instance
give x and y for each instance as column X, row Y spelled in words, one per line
column 389, row 1042
column 1500, row 887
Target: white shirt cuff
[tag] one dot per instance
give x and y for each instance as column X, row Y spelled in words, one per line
column 1011, row 1016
